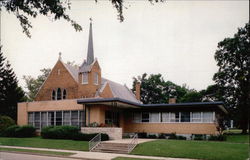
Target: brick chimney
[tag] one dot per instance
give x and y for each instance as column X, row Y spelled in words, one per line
column 172, row 100
column 138, row 90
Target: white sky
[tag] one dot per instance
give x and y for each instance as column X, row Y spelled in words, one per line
column 177, row 39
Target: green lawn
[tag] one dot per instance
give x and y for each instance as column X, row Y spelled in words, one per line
column 36, row 151
column 45, row 143
column 238, row 138
column 193, row 149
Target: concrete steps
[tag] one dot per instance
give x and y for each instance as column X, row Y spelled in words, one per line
column 112, row 148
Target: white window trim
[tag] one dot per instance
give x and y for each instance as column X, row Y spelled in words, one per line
column 96, row 78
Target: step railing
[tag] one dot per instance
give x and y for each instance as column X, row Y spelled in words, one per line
column 95, row 141
column 133, row 143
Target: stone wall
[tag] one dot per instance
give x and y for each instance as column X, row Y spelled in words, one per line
column 114, row 133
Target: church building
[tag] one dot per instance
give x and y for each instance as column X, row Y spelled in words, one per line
column 80, row 96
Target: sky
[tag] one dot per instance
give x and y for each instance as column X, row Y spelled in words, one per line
column 177, row 39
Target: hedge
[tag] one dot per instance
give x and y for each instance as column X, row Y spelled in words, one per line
column 68, row 132
column 19, row 131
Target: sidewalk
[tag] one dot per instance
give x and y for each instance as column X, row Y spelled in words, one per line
column 96, row 155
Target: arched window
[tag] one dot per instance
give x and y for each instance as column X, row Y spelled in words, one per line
column 64, row 94
column 53, row 95
column 59, row 94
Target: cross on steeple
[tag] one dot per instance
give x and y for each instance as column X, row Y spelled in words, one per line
column 60, row 56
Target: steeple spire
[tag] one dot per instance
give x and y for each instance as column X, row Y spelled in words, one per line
column 90, row 55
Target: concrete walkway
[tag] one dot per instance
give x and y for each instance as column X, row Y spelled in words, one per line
column 95, row 155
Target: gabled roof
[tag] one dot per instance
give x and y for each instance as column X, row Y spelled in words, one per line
column 119, row 91
column 86, row 67
column 73, row 70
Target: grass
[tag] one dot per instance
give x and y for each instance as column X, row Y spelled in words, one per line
column 238, row 138
column 38, row 142
column 193, row 149
column 37, row 151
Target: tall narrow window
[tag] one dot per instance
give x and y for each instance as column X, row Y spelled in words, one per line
column 59, row 94
column 196, row 116
column 145, row 117
column 53, row 95
column 31, row 118
column 185, row 116
column 64, row 94
column 137, row 117
column 154, row 117
column 84, row 78
column 165, row 117
column 59, row 118
column 96, row 78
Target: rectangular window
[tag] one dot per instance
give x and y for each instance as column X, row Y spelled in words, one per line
column 85, row 78
column 74, row 118
column 137, row 117
column 196, row 116
column 174, row 117
column 165, row 117
column 43, row 119
column 31, row 118
column 96, row 78
column 51, row 118
column 185, row 116
column 154, row 117
column 207, row 117
column 59, row 118
column 108, row 117
column 37, row 120
column 145, row 117
column 82, row 119
column 66, row 117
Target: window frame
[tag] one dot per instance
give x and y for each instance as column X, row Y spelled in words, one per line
column 85, row 75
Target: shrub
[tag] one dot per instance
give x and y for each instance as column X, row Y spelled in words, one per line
column 87, row 137
column 5, row 122
column 172, row 136
column 142, row 135
column 10, row 131
column 198, row 137
column 219, row 137
column 152, row 136
column 59, row 132
column 25, row 131
column 181, row 137
column 162, row 136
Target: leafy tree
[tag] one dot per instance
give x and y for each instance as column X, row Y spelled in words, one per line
column 33, row 84
column 154, row 89
column 10, row 92
column 233, row 59
column 56, row 9
column 192, row 96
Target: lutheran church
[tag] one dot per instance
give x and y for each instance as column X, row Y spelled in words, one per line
column 81, row 96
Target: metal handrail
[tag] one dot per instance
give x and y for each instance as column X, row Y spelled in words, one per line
column 133, row 143
column 95, row 141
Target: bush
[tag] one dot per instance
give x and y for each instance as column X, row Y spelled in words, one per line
column 172, row 136
column 5, row 122
column 220, row 137
column 10, row 131
column 17, row 131
column 152, row 136
column 181, row 137
column 59, row 132
column 87, row 137
column 162, row 136
column 25, row 131
column 142, row 135
column 198, row 137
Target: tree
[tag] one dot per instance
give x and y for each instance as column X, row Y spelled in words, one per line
column 10, row 92
column 56, row 9
column 233, row 59
column 192, row 96
column 33, row 84
column 154, row 89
